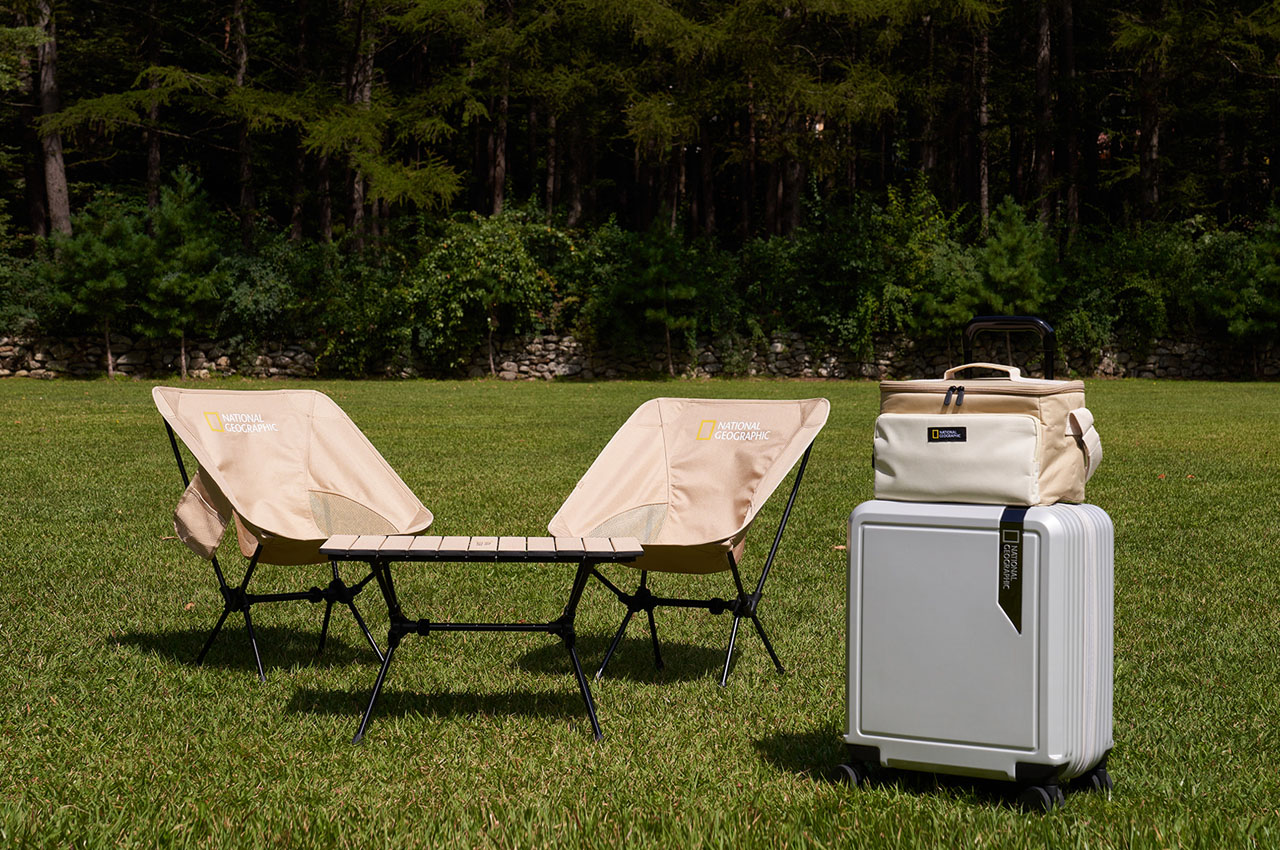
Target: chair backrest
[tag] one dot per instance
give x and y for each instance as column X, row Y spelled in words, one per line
column 290, row 465
column 690, row 472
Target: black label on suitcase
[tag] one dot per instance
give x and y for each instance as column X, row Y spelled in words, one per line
column 1010, row 565
column 947, row 435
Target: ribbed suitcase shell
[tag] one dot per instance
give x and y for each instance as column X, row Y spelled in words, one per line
column 940, row 679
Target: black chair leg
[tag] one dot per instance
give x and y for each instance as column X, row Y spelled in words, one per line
column 212, row 635
column 728, row 656
column 755, row 621
column 324, row 627
column 653, row 632
column 253, row 640
column 617, row 638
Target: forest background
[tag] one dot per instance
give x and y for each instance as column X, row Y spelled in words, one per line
column 416, row 177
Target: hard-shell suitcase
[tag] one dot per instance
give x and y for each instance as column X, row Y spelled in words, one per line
column 980, row 643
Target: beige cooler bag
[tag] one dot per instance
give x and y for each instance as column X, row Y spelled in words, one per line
column 1002, row 441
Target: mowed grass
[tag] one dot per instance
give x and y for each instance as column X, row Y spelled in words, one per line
column 110, row 735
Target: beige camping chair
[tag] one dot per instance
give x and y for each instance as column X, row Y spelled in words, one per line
column 687, row 477
column 289, row 468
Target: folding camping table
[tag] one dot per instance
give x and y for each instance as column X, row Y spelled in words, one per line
column 381, row 552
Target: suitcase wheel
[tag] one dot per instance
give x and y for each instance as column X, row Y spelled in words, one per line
column 854, row 774
column 1041, row 798
column 1098, row 780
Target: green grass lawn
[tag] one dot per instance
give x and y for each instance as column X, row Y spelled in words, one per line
column 109, row 735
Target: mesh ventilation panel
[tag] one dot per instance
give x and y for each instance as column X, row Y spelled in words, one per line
column 336, row 514
column 642, row 523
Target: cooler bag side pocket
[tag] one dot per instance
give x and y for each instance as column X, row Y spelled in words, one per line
column 981, row 458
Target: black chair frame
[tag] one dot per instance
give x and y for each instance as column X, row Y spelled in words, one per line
column 743, row 606
column 238, row 598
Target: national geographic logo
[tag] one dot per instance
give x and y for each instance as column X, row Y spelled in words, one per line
column 948, row 435
column 1010, row 558
column 1009, row 566
column 732, row 431
column 238, row 423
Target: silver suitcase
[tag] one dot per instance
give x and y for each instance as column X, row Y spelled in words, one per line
column 980, row 643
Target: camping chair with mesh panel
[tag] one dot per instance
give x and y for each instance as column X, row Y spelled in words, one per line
column 290, row 469
column 687, row 478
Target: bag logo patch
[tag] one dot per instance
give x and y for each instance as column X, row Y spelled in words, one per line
column 948, row 435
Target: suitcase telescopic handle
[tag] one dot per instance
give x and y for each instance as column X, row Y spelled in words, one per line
column 979, row 324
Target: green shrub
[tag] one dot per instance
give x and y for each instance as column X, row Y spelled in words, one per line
column 478, row 278
column 636, row 288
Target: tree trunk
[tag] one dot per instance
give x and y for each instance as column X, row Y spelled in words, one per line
column 498, row 175
column 1071, row 119
column 984, row 140
column 706, row 169
column 928, row 133
column 1224, row 172
column 360, row 94
column 298, row 191
column 677, row 185
column 551, row 165
column 325, row 198
column 1149, row 140
column 1044, row 113
column 33, row 153
column 244, row 172
column 575, row 176
column 749, row 173
column 55, row 172
column 493, row 324
column 151, row 136
column 182, row 353
column 106, row 338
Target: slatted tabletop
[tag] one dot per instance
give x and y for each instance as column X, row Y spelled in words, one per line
column 403, row 547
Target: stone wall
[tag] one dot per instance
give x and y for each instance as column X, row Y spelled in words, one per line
column 51, row 358
column 551, row 357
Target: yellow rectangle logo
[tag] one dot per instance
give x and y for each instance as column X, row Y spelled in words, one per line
column 214, row 420
column 706, row 429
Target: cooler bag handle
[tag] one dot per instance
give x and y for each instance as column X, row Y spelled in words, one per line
column 1080, row 426
column 1015, row 373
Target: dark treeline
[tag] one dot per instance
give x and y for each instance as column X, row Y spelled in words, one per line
column 721, row 123
column 332, row 118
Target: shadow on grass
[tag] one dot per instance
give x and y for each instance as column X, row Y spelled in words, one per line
column 813, row 754
column 281, row 648
column 633, row 659
column 818, row 754
column 396, row 702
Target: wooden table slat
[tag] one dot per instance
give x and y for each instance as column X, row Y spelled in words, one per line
column 396, row 545
column 511, row 545
column 569, row 546
column 483, row 546
column 540, row 546
column 598, row 547
column 338, row 543
column 454, row 545
column 367, row 544
column 626, row 547
column 424, row 544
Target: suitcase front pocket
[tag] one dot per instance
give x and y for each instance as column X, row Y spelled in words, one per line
column 984, row 458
